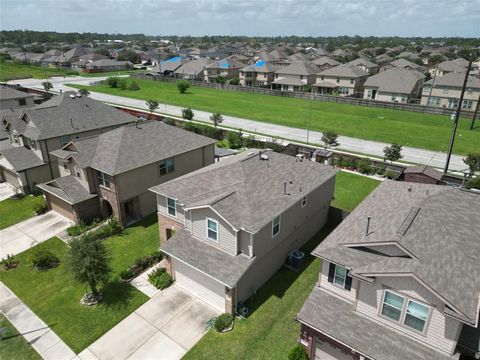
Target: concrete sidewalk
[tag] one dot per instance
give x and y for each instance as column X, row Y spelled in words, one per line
column 38, row 334
column 414, row 155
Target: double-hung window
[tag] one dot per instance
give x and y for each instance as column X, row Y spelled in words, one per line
column 172, row 207
column 406, row 311
column 166, row 166
column 212, row 230
column 275, row 226
column 338, row 276
column 103, row 179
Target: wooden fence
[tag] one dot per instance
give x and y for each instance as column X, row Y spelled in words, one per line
column 312, row 96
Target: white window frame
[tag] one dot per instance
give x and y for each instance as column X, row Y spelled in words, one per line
column 403, row 311
column 279, row 225
column 217, row 232
column 103, row 179
column 344, row 277
column 304, row 201
column 170, row 207
column 168, row 169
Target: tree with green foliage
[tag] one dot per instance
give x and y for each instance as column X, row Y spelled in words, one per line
column 128, row 55
column 235, row 139
column 88, row 260
column 187, row 114
column 133, row 86
column 392, row 153
column 113, row 82
column 152, row 105
column 216, row 119
column 47, row 85
column 473, row 183
column 330, row 139
column 220, row 79
column 84, row 92
column 183, row 86
column 473, row 162
column 298, row 352
column 122, row 84
column 234, row 81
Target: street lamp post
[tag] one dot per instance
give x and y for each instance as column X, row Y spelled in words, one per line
column 455, row 117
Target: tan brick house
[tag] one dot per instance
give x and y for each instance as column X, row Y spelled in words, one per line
column 110, row 174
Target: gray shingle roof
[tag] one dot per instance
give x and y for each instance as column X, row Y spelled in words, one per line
column 289, row 81
column 63, row 115
column 130, row 147
column 443, row 236
column 455, row 79
column 194, row 67
column 325, row 60
column 303, row 68
column 404, row 63
column 457, row 65
column 247, row 191
column 395, row 80
column 223, row 267
column 364, row 62
column 21, row 158
column 67, row 188
column 336, row 317
column 424, row 169
column 344, row 70
column 7, row 93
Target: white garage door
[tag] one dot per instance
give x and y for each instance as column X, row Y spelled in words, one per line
column 325, row 351
column 202, row 286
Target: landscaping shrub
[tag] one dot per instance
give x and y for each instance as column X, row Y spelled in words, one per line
column 111, row 227
column 81, row 227
column 122, row 84
column 126, row 274
column 9, row 262
column 206, row 130
column 235, row 139
column 223, row 322
column 143, row 262
column 234, row 81
column 183, row 86
column 187, row 114
column 134, row 86
column 157, row 256
column 44, row 260
column 40, row 208
column 160, row 278
column 170, row 122
column 390, row 174
column 112, row 82
column 380, row 170
column 365, row 166
column 298, row 353
column 339, row 161
column 473, row 183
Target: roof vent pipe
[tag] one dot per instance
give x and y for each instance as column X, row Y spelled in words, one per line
column 410, row 188
column 367, row 231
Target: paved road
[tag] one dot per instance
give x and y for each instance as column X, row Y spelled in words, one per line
column 414, row 155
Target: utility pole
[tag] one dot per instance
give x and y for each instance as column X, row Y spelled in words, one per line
column 472, row 124
column 433, row 84
column 456, row 116
column 309, row 118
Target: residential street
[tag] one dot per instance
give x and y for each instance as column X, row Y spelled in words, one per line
column 414, row 155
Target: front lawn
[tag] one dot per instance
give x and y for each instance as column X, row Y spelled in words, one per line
column 426, row 131
column 10, row 70
column 14, row 211
column 13, row 345
column 271, row 330
column 55, row 297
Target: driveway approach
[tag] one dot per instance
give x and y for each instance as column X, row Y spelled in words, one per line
column 28, row 233
column 165, row 327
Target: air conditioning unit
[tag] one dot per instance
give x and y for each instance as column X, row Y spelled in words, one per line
column 295, row 260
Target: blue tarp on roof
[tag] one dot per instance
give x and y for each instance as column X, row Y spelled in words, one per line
column 260, row 63
column 173, row 59
column 224, row 64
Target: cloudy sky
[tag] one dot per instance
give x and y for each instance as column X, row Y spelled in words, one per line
column 247, row 17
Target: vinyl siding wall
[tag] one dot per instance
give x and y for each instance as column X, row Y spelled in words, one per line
column 162, row 208
column 442, row 332
column 323, row 283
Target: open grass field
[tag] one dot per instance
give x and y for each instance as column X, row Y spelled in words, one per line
column 270, row 331
column 431, row 132
column 13, row 211
column 13, row 345
column 55, row 297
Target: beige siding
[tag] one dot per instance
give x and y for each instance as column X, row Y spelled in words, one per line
column 38, row 175
column 227, row 237
column 442, row 332
column 349, row 295
column 147, row 202
column 244, row 239
column 162, row 208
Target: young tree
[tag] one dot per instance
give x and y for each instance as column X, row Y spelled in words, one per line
column 84, row 92
column 89, row 262
column 473, row 162
column 393, row 152
column 183, row 86
column 216, row 118
column 47, row 85
column 152, row 105
column 187, row 114
column 329, row 139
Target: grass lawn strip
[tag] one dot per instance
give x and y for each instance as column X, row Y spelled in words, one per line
column 13, row 345
column 55, row 297
column 413, row 129
column 14, row 211
column 271, row 330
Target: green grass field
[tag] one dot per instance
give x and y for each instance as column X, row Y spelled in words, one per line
column 420, row 130
column 55, row 297
column 13, row 211
column 13, row 345
column 270, row 331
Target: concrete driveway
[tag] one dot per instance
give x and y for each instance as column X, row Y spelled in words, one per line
column 165, row 327
column 28, row 233
column 6, row 191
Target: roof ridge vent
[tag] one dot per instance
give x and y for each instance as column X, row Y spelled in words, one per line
column 412, row 214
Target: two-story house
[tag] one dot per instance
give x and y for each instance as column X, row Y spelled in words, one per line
column 12, row 98
column 365, row 65
column 399, row 278
column 444, row 91
column 192, row 70
column 295, row 77
column 344, row 80
column 394, row 85
column 227, row 228
column 259, row 74
column 37, row 131
column 227, row 68
column 110, row 174
column 324, row 63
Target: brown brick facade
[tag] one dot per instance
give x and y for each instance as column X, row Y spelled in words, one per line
column 230, row 300
column 88, row 210
column 166, row 224
column 109, row 195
